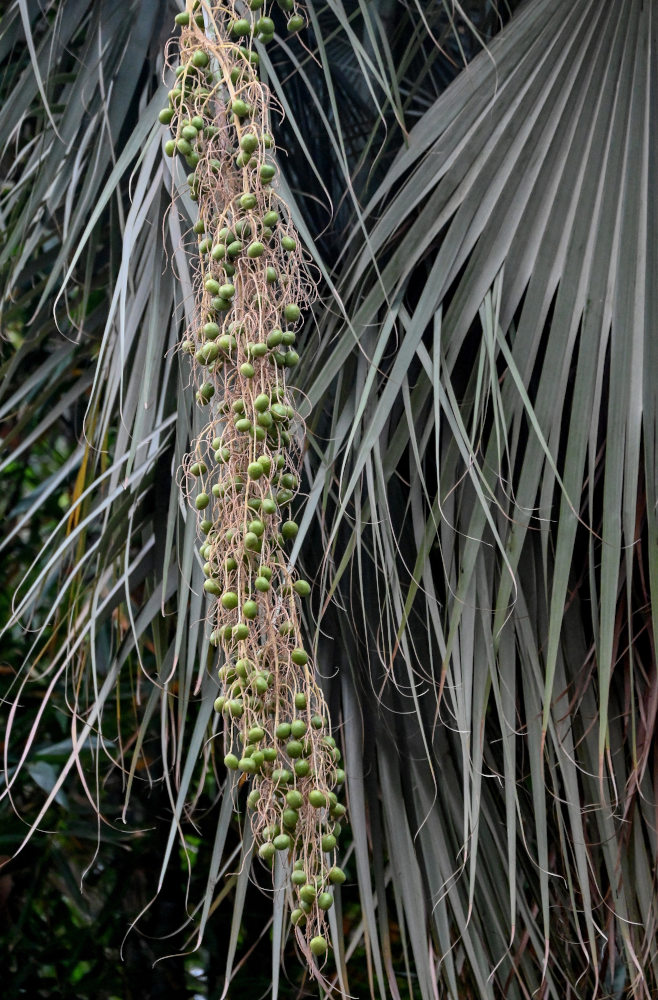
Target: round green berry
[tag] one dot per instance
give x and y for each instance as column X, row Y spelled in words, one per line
column 292, row 312
column 240, row 27
column 318, row 946
column 290, row 818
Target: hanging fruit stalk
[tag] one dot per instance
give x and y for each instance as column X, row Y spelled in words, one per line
column 242, row 475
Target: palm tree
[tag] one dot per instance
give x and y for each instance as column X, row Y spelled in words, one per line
column 474, row 186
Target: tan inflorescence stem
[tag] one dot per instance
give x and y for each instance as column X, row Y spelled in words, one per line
column 251, row 286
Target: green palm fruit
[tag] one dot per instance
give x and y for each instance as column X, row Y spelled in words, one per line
column 308, row 893
column 274, row 338
column 240, row 28
column 292, row 312
column 249, row 142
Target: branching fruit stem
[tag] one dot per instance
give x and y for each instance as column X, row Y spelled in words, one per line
column 243, row 472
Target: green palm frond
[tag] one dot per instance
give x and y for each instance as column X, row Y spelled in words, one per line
column 481, row 472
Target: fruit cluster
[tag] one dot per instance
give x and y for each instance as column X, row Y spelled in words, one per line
column 243, row 472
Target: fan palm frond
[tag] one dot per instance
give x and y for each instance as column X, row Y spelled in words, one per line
column 481, row 468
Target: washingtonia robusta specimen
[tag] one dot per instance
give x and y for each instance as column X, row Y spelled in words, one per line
column 242, row 475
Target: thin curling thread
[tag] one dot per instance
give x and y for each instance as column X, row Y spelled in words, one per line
column 243, row 472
